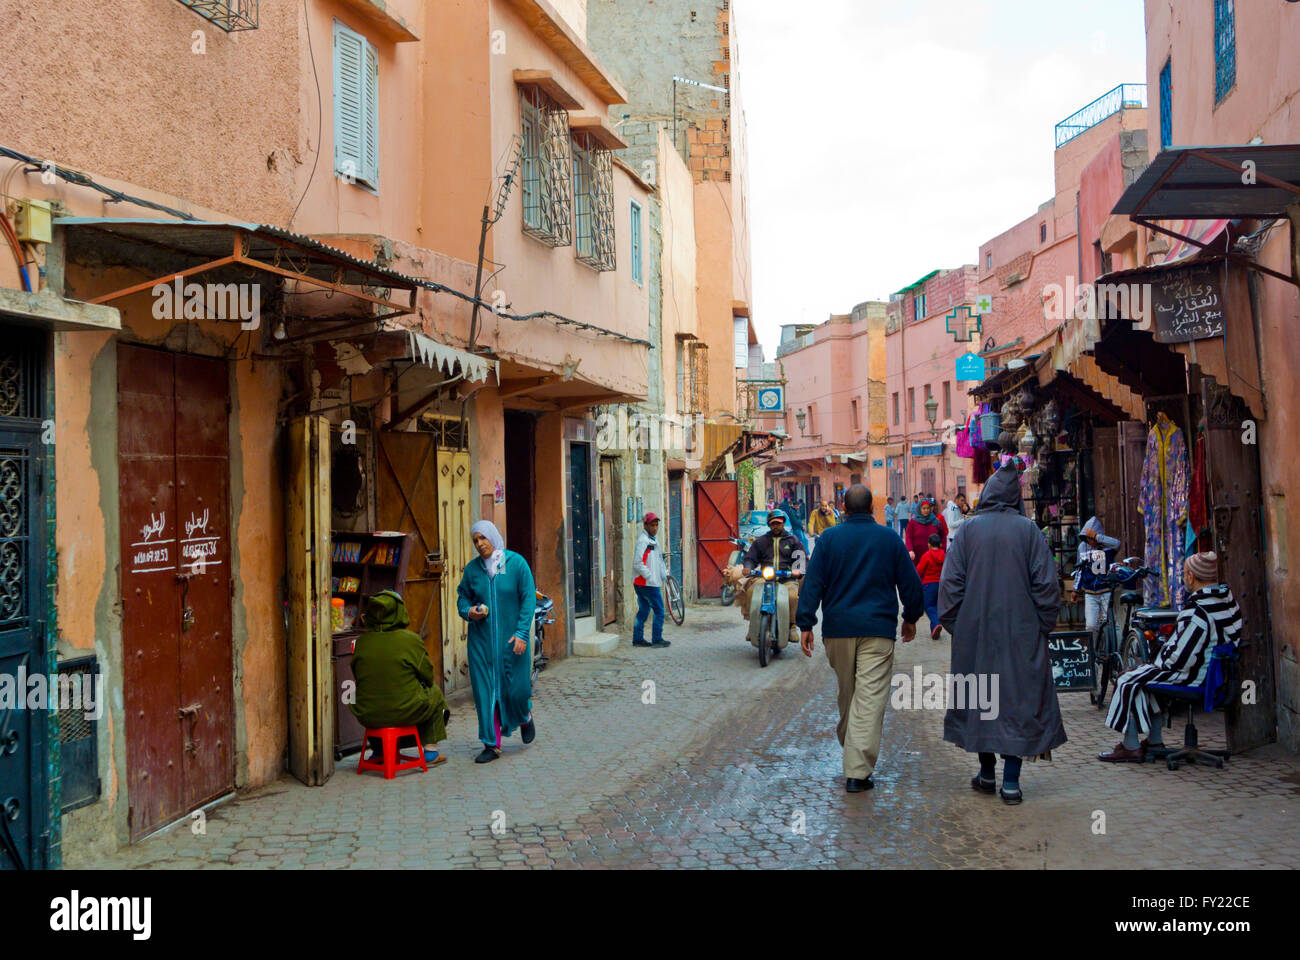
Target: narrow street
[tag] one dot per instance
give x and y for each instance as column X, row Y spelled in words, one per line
column 736, row 766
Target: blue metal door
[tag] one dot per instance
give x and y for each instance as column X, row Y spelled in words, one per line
column 23, row 732
column 675, row 526
column 580, row 513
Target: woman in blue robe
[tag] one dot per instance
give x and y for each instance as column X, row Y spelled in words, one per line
column 497, row 598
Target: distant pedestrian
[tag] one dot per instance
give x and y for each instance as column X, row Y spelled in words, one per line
column 651, row 572
column 497, row 597
column 823, row 518
column 904, row 515
column 857, row 579
column 954, row 515
column 999, row 598
column 891, row 514
column 930, row 569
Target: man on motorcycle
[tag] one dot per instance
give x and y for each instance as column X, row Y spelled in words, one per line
column 777, row 548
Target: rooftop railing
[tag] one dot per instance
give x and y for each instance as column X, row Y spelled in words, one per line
column 1127, row 96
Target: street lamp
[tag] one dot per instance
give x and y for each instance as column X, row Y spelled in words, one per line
column 932, row 414
column 802, row 417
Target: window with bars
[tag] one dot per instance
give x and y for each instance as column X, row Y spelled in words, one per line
column 1225, row 48
column 695, row 374
column 947, row 400
column 356, row 108
column 593, row 203
column 546, row 166
column 1167, row 105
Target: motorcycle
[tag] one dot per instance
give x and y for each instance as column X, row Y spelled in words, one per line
column 773, row 629
column 543, row 616
column 737, row 555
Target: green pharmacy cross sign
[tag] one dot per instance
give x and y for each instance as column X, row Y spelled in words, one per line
column 964, row 323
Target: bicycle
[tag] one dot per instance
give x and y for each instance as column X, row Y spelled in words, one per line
column 673, row 600
column 1109, row 658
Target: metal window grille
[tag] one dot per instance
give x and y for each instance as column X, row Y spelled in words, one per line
column 1225, row 48
column 450, row 433
column 697, row 376
column 21, row 361
column 546, row 169
column 1167, row 105
column 593, row 203
column 230, row 15
column 78, row 733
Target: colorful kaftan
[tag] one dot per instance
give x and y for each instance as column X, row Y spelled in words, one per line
column 1163, row 505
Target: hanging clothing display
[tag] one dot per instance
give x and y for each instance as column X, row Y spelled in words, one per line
column 1163, row 504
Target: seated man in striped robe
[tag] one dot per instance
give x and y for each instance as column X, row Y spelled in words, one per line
column 1211, row 617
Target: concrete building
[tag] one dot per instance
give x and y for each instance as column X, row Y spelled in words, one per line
column 836, row 410
column 366, row 388
column 921, row 357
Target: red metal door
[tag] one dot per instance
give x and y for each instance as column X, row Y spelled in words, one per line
column 717, row 516
column 173, row 460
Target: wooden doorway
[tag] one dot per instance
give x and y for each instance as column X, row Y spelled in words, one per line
column 174, row 463
column 408, row 502
column 521, row 483
column 612, row 568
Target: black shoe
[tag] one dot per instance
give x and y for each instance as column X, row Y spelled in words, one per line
column 487, row 756
column 528, row 730
column 1011, row 798
column 640, row 643
column 662, row 643
column 853, row 785
column 983, row 786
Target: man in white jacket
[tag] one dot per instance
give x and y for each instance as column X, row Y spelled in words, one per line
column 651, row 571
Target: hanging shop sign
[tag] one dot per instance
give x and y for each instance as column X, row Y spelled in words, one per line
column 1188, row 305
column 927, row 449
column 971, row 366
column 964, row 323
column 771, row 400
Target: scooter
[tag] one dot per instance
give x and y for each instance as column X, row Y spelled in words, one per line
column 773, row 629
column 542, row 617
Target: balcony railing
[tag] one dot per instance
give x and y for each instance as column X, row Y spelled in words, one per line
column 1127, row 96
column 230, row 15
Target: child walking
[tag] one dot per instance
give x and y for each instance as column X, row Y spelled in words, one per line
column 931, row 569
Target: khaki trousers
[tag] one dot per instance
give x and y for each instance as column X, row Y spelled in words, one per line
column 862, row 667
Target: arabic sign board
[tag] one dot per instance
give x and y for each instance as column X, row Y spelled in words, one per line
column 1188, row 305
column 1070, row 653
column 971, row 366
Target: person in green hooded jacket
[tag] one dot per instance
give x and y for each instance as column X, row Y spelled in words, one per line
column 396, row 683
column 497, row 598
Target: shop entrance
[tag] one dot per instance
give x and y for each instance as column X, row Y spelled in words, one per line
column 580, row 512
column 174, row 465
column 408, row 503
column 22, row 595
column 675, row 526
column 612, row 565
column 521, row 484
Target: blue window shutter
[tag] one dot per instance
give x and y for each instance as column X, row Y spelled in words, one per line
column 636, row 243
column 371, row 114
column 1167, row 105
column 349, row 131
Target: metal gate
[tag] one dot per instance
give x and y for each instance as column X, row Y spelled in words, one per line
column 717, row 516
column 580, row 513
column 1236, row 514
column 174, row 465
column 23, row 734
column 407, row 502
column 457, row 550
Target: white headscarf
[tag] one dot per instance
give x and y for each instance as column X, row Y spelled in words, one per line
column 488, row 530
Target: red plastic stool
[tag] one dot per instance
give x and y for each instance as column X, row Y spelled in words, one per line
column 389, row 736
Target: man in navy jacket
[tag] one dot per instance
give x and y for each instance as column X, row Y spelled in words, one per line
column 857, row 575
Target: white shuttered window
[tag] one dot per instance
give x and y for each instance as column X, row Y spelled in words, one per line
column 356, row 108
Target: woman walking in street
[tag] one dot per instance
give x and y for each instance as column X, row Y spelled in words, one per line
column 924, row 522
column 999, row 598
column 497, row 597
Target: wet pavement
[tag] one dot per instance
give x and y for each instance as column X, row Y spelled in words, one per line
column 695, row 757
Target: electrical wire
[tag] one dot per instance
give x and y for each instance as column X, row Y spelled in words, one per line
column 81, row 180
column 320, row 113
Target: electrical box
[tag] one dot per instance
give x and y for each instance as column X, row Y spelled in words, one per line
column 33, row 221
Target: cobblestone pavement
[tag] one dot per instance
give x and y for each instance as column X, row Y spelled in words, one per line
column 737, row 766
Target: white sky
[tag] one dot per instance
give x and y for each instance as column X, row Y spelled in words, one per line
column 888, row 138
